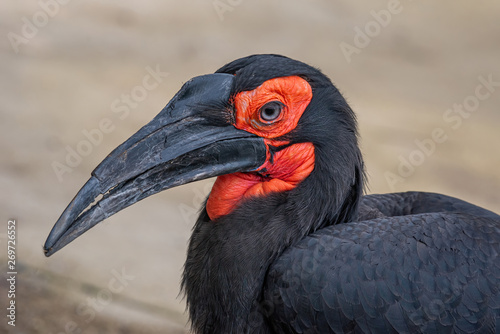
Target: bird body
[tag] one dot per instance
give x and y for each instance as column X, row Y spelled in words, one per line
column 404, row 271
column 286, row 242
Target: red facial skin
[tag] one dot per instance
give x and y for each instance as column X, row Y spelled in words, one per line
column 288, row 167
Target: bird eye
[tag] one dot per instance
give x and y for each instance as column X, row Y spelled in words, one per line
column 271, row 111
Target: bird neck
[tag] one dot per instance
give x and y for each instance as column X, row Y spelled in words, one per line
column 228, row 258
column 225, row 271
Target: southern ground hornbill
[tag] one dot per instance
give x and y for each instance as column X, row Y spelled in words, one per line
column 286, row 242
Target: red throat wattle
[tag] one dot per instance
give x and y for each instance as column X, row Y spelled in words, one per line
column 283, row 170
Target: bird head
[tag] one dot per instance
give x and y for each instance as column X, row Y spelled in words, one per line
column 272, row 129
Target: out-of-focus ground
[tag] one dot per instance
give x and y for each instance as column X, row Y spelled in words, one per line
column 69, row 71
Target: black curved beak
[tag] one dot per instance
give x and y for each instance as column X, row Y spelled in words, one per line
column 190, row 139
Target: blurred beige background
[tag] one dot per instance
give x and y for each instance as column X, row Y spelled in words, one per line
column 67, row 66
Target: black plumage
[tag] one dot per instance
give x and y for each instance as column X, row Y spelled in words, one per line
column 405, row 271
column 321, row 257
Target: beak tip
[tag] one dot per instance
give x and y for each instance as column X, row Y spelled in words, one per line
column 86, row 195
column 47, row 250
column 49, row 244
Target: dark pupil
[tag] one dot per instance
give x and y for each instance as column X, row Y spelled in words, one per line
column 271, row 111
